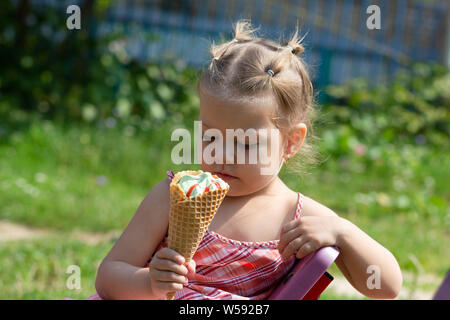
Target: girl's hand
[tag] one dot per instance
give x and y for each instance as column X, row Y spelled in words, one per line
column 307, row 234
column 168, row 272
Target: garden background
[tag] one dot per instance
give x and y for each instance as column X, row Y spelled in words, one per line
column 86, row 117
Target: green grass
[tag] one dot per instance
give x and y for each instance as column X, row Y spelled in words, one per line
column 37, row 269
column 78, row 177
column 93, row 180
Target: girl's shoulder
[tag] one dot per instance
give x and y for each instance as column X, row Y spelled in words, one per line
column 159, row 195
column 156, row 203
column 162, row 187
column 311, row 207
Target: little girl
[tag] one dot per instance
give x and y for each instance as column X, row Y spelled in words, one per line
column 262, row 225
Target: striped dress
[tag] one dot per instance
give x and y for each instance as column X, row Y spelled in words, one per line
column 228, row 269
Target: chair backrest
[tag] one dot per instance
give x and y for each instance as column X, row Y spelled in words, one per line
column 308, row 277
column 443, row 292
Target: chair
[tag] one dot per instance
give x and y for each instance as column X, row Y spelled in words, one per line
column 443, row 292
column 308, row 277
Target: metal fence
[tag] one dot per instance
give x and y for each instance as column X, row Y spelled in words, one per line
column 339, row 46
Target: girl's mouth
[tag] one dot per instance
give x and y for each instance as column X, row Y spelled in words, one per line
column 225, row 176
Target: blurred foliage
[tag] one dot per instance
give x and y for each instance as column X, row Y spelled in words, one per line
column 413, row 108
column 395, row 136
column 77, row 75
column 87, row 75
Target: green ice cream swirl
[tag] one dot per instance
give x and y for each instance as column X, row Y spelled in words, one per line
column 202, row 183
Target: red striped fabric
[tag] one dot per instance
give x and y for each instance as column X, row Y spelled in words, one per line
column 228, row 269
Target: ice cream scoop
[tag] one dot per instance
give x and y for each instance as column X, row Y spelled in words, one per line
column 194, row 185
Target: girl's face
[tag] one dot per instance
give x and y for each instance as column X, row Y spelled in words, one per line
column 247, row 178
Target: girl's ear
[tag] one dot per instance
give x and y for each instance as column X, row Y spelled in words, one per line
column 296, row 137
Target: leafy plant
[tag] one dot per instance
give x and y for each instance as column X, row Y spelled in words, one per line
column 83, row 75
column 413, row 108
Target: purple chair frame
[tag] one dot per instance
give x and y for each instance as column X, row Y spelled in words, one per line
column 308, row 277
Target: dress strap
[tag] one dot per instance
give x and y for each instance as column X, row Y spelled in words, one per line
column 299, row 205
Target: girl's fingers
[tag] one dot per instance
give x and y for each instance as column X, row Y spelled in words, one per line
column 168, row 265
column 167, row 253
column 167, row 276
column 292, row 247
column 306, row 249
column 191, row 266
column 287, row 237
column 290, row 225
column 169, row 286
column 191, row 269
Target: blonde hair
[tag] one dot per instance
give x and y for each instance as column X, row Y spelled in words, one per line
column 249, row 68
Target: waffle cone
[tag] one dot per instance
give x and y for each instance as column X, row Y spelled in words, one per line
column 190, row 217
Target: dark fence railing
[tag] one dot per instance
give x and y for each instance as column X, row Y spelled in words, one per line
column 339, row 46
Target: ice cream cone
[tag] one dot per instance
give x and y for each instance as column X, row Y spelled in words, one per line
column 190, row 217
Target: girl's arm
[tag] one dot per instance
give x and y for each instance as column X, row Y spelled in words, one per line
column 120, row 280
column 367, row 265
column 120, row 275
